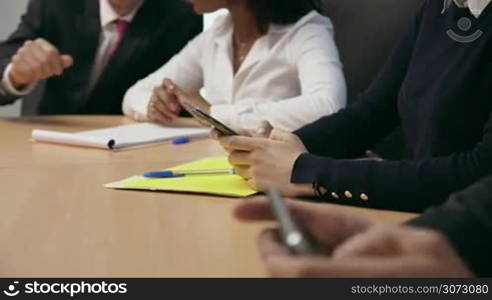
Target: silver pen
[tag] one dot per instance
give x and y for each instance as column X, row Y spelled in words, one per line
column 291, row 234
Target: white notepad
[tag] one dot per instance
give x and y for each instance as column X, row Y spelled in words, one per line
column 121, row 137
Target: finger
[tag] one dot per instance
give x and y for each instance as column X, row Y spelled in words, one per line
column 375, row 242
column 284, row 266
column 293, row 267
column 270, row 244
column 215, row 134
column 241, row 132
column 254, row 185
column 311, row 267
column 253, row 209
column 52, row 55
column 67, row 61
column 169, row 85
column 42, row 59
column 156, row 115
column 159, row 118
column 387, row 241
column 34, row 65
column 20, row 68
column 55, row 60
column 265, row 130
column 329, row 227
column 258, row 208
column 404, row 266
column 240, row 158
column 242, row 143
column 429, row 242
column 19, row 65
column 246, row 132
column 280, row 135
column 159, row 101
column 160, row 111
column 244, row 172
column 25, row 56
column 169, row 100
column 181, row 96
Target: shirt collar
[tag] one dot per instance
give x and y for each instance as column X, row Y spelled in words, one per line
column 476, row 6
column 109, row 15
column 224, row 27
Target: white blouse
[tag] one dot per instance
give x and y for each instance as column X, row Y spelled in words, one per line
column 291, row 77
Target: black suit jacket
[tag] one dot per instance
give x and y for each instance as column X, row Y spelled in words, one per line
column 159, row 30
column 466, row 219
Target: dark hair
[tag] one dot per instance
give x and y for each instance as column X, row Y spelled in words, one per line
column 280, row 12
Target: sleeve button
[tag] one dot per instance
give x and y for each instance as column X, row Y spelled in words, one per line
column 364, row 197
column 348, row 195
column 335, row 196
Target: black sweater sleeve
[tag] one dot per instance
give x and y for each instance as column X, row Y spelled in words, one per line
column 466, row 220
column 353, row 130
column 30, row 28
column 412, row 185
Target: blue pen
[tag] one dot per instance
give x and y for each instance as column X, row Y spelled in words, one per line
column 176, row 174
column 181, row 141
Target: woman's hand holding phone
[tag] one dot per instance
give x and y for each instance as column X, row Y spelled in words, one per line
column 164, row 107
column 167, row 102
column 263, row 131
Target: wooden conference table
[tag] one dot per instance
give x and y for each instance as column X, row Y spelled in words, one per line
column 56, row 219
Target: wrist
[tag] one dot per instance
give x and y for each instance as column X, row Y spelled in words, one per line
column 305, row 190
column 300, row 189
column 16, row 83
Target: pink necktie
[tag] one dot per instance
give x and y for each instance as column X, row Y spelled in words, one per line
column 122, row 26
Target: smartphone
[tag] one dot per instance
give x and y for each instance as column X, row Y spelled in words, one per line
column 208, row 120
column 293, row 237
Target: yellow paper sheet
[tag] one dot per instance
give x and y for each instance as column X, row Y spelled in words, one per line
column 226, row 185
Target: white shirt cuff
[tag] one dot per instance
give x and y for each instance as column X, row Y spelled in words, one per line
column 136, row 110
column 9, row 87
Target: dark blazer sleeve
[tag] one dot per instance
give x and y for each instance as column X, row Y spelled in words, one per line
column 466, row 220
column 30, row 28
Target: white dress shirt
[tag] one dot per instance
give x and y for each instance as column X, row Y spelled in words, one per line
column 476, row 6
column 291, row 77
column 107, row 39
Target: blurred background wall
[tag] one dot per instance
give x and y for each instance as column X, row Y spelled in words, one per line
column 10, row 12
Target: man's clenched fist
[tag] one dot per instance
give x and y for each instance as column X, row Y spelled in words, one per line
column 35, row 61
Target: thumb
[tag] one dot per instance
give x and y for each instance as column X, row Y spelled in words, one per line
column 379, row 241
column 181, row 95
column 264, row 130
column 169, row 86
column 280, row 135
column 67, row 61
column 253, row 209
